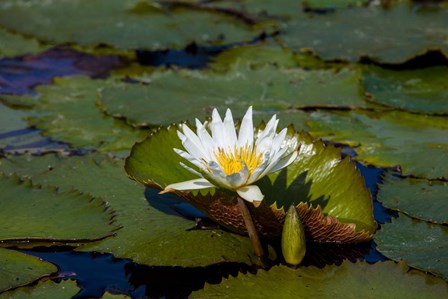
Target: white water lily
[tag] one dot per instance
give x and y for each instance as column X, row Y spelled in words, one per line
column 227, row 160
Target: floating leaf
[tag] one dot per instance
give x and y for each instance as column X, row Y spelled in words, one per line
column 33, row 213
column 196, row 93
column 68, row 113
column 147, row 236
column 422, row 91
column 317, row 177
column 420, row 244
column 15, row 45
column 17, row 269
column 123, row 24
column 330, row 5
column 418, row 198
column 359, row 280
column 392, row 35
column 47, row 289
column 417, row 143
column 257, row 55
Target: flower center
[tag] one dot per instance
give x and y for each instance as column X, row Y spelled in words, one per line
column 233, row 161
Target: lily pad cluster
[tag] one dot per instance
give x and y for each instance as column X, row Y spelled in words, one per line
column 83, row 157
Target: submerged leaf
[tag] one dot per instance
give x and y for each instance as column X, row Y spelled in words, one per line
column 18, row 269
column 359, row 280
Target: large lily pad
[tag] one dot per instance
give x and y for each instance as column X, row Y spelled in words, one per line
column 15, row 45
column 359, row 280
column 17, row 269
column 126, row 24
column 391, row 35
column 47, row 289
column 147, row 236
column 318, row 177
column 420, row 244
column 417, row 143
column 418, row 198
column 68, row 112
column 422, row 91
column 32, row 213
column 194, row 94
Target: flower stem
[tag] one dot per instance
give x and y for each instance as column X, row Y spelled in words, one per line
column 253, row 234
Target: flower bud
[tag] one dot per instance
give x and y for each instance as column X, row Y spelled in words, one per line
column 293, row 238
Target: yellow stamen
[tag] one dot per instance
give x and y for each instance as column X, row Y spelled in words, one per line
column 233, row 161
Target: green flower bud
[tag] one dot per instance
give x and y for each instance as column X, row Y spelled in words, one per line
column 293, row 238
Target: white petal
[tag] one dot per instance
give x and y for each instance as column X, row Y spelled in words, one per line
column 269, row 129
column 189, row 157
column 189, row 185
column 246, row 133
column 190, row 169
column 218, row 130
column 277, row 142
column 207, row 141
column 284, row 162
column 237, row 179
column 229, row 130
column 250, row 193
column 193, row 144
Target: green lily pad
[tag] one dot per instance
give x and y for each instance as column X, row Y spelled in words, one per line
column 392, row 35
column 418, row 198
column 422, row 91
column 196, row 93
column 10, row 120
column 126, row 24
column 147, row 236
column 33, row 213
column 15, row 45
column 68, row 112
column 332, row 4
column 47, row 289
column 17, row 269
column 349, row 280
column 420, row 244
column 417, row 143
column 257, row 55
column 318, row 177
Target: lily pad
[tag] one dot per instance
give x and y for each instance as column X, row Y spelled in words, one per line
column 11, row 120
column 15, row 45
column 196, row 93
column 126, row 24
column 17, row 269
column 359, row 280
column 67, row 112
column 257, row 55
column 392, row 35
column 33, row 213
column 317, row 177
column 47, row 289
column 420, row 244
column 418, row 198
column 147, row 236
column 422, row 91
column 417, row 143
